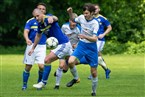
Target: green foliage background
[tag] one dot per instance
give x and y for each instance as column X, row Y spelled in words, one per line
column 127, row 18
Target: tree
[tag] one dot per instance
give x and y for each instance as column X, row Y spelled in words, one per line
column 127, row 17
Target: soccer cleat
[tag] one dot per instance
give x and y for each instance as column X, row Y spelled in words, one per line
column 56, row 87
column 24, row 88
column 107, row 72
column 39, row 85
column 93, row 94
column 72, row 82
column 90, row 77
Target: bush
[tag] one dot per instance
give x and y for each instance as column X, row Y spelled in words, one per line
column 136, row 48
column 113, row 47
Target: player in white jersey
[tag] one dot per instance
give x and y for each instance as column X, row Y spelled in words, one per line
column 87, row 46
column 71, row 29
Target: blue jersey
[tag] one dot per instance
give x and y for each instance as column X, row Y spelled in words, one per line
column 103, row 22
column 32, row 26
column 53, row 30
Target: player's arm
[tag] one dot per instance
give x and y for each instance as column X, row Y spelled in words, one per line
column 37, row 38
column 52, row 19
column 25, row 34
column 109, row 28
column 70, row 12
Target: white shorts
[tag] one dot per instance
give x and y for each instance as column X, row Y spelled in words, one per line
column 63, row 50
column 100, row 45
column 37, row 56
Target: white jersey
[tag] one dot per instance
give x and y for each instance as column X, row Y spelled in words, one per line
column 88, row 28
column 71, row 33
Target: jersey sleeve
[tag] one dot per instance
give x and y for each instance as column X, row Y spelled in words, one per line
column 78, row 19
column 28, row 25
column 105, row 22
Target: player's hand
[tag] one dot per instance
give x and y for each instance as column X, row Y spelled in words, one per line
column 82, row 36
column 69, row 10
column 29, row 42
column 30, row 52
column 101, row 36
column 50, row 19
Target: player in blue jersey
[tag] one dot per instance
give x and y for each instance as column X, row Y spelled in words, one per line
column 104, row 29
column 63, row 50
column 39, row 54
column 71, row 29
column 87, row 45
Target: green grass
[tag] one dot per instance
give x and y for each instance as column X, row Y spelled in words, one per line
column 127, row 79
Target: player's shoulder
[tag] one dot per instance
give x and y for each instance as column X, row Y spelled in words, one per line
column 101, row 17
column 31, row 20
column 66, row 24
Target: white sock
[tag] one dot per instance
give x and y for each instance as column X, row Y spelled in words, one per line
column 58, row 76
column 74, row 72
column 101, row 62
column 94, row 84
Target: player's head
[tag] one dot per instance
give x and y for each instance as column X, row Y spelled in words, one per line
column 37, row 13
column 97, row 7
column 72, row 23
column 42, row 7
column 88, row 11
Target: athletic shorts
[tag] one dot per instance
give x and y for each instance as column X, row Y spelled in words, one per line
column 63, row 50
column 100, row 45
column 87, row 50
column 37, row 56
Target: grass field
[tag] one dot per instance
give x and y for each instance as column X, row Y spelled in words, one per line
column 127, row 79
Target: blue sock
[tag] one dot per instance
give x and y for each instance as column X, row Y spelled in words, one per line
column 26, row 75
column 46, row 72
column 40, row 74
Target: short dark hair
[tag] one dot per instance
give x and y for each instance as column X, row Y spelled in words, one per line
column 89, row 6
column 41, row 3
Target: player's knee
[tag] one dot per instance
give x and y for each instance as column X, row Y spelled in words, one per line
column 41, row 67
column 94, row 73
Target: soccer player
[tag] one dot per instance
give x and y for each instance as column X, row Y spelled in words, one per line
column 104, row 29
column 71, row 29
column 87, row 46
column 39, row 54
column 64, row 48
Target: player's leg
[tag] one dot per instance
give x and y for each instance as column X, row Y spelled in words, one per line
column 65, row 67
column 40, row 72
column 39, row 59
column 26, row 74
column 73, row 70
column 94, row 80
column 93, row 62
column 29, row 61
column 102, row 63
column 59, row 73
column 47, row 68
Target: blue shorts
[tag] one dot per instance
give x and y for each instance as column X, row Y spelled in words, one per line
column 88, row 51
